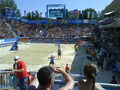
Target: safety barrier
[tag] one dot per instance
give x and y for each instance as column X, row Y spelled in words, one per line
column 8, row 80
column 55, row 40
column 7, row 42
column 60, row 83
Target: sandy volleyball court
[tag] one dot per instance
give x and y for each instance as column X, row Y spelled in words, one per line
column 36, row 55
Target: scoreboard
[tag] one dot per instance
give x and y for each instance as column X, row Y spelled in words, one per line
column 56, row 13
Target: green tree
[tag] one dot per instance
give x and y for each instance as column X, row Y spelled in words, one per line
column 67, row 13
column 29, row 15
column 33, row 15
column 9, row 4
column 17, row 13
column 88, row 13
column 36, row 15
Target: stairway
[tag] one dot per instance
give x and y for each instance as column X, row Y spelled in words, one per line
column 10, row 29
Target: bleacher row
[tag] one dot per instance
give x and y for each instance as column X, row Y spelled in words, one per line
column 41, row 31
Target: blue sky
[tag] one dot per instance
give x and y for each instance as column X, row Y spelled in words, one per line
column 40, row 5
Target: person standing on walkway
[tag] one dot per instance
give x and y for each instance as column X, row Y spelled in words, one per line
column 113, row 81
column 76, row 47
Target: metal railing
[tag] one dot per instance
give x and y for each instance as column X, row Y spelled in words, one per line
column 8, row 80
column 59, row 82
column 107, row 86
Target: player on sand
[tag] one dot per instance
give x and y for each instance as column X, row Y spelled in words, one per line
column 52, row 58
column 59, row 53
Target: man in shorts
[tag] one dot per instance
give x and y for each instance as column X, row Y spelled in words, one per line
column 52, row 58
column 59, row 53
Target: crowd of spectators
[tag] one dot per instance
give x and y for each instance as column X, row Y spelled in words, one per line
column 46, row 31
column 68, row 31
column 109, row 49
column 107, row 52
column 23, row 29
column 4, row 32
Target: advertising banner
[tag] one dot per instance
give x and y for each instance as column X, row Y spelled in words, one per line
column 52, row 21
column 9, row 12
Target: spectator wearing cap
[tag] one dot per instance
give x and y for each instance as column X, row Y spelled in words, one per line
column 21, row 73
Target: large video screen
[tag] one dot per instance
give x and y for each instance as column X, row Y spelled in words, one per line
column 56, row 13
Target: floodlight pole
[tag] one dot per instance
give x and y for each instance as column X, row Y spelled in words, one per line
column 47, row 16
column 64, row 11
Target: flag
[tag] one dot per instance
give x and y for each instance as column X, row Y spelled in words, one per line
column 25, row 13
column 78, row 14
column 40, row 14
column 93, row 14
column 88, row 14
column 83, row 12
column 99, row 12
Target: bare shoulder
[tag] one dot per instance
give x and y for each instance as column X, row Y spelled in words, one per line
column 80, row 83
column 98, row 87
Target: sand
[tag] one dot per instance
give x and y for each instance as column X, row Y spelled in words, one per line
column 37, row 55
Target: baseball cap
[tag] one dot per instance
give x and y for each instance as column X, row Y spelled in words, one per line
column 16, row 57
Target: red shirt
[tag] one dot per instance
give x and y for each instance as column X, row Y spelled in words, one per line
column 113, row 82
column 24, row 73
